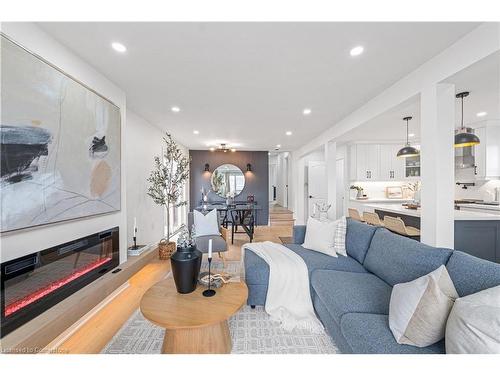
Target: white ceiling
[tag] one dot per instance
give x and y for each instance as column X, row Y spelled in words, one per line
column 247, row 83
column 482, row 80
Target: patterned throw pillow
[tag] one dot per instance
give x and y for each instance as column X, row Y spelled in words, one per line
column 340, row 233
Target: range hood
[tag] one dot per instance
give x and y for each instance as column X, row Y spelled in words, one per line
column 464, row 156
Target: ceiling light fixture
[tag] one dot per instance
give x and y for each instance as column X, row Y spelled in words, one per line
column 278, row 146
column 407, row 151
column 411, row 135
column 118, row 47
column 481, row 114
column 306, row 111
column 288, row 133
column 175, row 109
column 356, row 51
column 196, row 132
column 463, row 136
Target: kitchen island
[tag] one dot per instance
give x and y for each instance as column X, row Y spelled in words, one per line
column 476, row 233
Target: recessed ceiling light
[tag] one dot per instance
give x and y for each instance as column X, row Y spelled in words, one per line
column 175, row 109
column 481, row 114
column 233, row 150
column 278, row 146
column 288, row 133
column 306, row 111
column 268, row 154
column 356, row 51
column 212, row 149
column 411, row 135
column 196, row 132
column 118, row 47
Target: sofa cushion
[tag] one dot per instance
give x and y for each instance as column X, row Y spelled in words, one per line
column 358, row 239
column 315, row 261
column 345, row 292
column 257, row 270
column 397, row 259
column 471, row 274
column 370, row 334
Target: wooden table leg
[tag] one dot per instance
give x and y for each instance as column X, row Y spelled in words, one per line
column 214, row 339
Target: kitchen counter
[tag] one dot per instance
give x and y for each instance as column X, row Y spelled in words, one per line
column 380, row 200
column 479, row 206
column 459, row 214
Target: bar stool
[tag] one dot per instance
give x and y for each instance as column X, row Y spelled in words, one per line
column 354, row 214
column 372, row 218
column 397, row 225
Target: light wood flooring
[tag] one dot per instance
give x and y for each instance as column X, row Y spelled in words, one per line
column 94, row 334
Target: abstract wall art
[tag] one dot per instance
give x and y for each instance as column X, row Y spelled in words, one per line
column 59, row 144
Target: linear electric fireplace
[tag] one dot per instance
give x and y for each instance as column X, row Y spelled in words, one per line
column 36, row 282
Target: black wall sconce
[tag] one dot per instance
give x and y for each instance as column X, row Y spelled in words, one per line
column 207, row 167
column 249, row 167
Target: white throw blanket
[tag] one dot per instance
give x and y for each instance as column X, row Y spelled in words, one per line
column 288, row 295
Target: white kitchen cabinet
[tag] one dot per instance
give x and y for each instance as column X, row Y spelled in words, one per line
column 392, row 168
column 487, row 153
column 367, row 162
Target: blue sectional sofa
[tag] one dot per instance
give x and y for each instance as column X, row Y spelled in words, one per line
column 351, row 294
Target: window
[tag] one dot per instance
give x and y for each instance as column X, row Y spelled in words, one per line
column 178, row 215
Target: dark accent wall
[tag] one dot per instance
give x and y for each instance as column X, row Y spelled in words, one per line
column 256, row 181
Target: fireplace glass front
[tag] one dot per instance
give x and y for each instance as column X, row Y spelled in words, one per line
column 34, row 283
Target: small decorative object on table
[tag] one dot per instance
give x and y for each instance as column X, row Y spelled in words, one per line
column 204, row 194
column 323, row 210
column 135, row 249
column 230, row 198
column 186, row 263
column 209, row 292
column 167, row 180
column 359, row 190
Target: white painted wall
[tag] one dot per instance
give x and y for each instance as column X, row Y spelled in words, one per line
column 145, row 141
column 23, row 242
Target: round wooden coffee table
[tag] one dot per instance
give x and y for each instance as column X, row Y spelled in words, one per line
column 193, row 323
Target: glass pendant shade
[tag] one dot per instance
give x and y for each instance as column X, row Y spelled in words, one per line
column 407, row 151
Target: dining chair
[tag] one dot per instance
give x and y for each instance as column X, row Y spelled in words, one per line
column 219, row 242
column 397, row 225
column 354, row 214
column 372, row 218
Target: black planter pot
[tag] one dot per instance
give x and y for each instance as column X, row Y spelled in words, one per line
column 186, row 264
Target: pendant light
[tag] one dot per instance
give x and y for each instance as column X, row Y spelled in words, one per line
column 463, row 137
column 408, row 150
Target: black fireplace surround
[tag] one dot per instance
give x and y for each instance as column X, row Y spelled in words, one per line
column 36, row 282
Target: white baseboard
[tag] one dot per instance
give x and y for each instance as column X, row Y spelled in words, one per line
column 56, row 343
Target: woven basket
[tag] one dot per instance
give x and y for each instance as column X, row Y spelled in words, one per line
column 166, row 249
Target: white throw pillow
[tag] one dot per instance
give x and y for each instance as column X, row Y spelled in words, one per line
column 474, row 324
column 340, row 233
column 206, row 225
column 320, row 236
column 418, row 310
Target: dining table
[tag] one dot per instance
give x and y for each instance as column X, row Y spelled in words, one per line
column 239, row 215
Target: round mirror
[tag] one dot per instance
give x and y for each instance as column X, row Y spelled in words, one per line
column 228, row 179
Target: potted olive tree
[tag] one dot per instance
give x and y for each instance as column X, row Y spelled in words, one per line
column 167, row 179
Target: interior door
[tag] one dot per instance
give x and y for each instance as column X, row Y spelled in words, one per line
column 317, row 186
column 340, row 188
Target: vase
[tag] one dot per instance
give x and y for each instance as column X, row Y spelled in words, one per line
column 186, row 264
column 359, row 194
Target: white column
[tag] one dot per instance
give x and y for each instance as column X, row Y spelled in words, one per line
column 299, row 192
column 331, row 175
column 437, row 160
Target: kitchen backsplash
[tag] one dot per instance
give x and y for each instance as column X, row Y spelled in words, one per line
column 376, row 190
column 484, row 190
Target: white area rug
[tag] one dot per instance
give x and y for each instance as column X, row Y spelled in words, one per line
column 252, row 332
